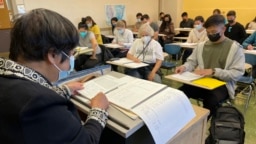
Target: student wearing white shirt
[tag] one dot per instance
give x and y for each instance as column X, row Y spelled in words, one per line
column 149, row 51
column 123, row 37
column 196, row 35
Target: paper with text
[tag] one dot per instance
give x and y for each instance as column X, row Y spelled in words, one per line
column 165, row 114
column 187, row 76
column 129, row 63
column 133, row 93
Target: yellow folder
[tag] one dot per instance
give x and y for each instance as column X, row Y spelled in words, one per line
column 209, row 82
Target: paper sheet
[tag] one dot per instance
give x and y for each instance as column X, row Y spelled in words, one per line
column 103, row 84
column 129, row 63
column 133, row 93
column 187, row 76
column 165, row 114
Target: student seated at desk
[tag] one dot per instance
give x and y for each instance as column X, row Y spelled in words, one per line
column 166, row 28
column 196, row 35
column 218, row 57
column 87, row 39
column 149, row 51
column 113, row 23
column 93, row 27
column 185, row 23
column 123, row 37
column 252, row 24
column 33, row 111
column 234, row 30
column 138, row 22
column 146, row 19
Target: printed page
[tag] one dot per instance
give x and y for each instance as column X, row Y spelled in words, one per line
column 187, row 76
column 133, row 93
column 165, row 114
column 103, row 84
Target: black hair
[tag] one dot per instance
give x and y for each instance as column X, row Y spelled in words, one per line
column 254, row 20
column 139, row 14
column 217, row 11
column 145, row 16
column 214, row 20
column 82, row 25
column 83, row 20
column 231, row 13
column 199, row 18
column 165, row 24
column 89, row 18
column 114, row 19
column 184, row 14
column 39, row 32
column 161, row 13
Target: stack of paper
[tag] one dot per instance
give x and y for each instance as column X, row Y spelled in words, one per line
column 209, row 82
column 187, row 76
column 129, row 63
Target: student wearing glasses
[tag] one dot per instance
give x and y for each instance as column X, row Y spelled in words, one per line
column 234, row 30
column 219, row 57
column 149, row 51
column 33, row 111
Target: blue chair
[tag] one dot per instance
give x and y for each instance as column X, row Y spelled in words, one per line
column 248, row 81
column 171, row 49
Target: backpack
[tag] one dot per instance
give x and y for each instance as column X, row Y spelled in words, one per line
column 227, row 127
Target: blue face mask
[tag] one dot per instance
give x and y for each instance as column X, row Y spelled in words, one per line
column 63, row 73
column 121, row 31
column 83, row 34
column 198, row 27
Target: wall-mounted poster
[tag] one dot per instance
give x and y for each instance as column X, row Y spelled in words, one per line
column 1, row 3
column 115, row 11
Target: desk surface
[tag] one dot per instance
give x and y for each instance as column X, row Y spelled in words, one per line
column 126, row 64
column 183, row 29
column 113, row 46
column 82, row 50
column 170, row 77
column 186, row 45
column 250, row 31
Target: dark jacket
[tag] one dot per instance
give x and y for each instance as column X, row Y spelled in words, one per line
column 31, row 113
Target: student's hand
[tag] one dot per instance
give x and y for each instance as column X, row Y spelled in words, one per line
column 100, row 101
column 204, row 72
column 180, row 69
column 250, row 47
column 136, row 60
column 93, row 57
column 74, row 86
column 121, row 44
column 151, row 76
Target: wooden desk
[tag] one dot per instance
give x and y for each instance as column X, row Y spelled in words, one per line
column 250, row 31
column 193, row 133
column 170, row 77
column 127, row 63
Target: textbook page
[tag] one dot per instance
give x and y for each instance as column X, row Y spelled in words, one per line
column 165, row 114
column 133, row 93
column 187, row 76
column 129, row 63
column 103, row 84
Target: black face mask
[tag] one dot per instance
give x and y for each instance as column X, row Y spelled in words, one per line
column 214, row 37
column 230, row 21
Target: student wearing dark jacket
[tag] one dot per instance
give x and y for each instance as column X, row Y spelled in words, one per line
column 234, row 30
column 32, row 110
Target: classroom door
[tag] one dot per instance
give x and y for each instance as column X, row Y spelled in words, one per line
column 5, row 22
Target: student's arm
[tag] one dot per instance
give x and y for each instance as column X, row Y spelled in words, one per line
column 132, row 52
column 242, row 34
column 96, row 31
column 247, row 44
column 94, row 46
column 152, row 74
column 190, row 36
column 236, row 66
column 192, row 61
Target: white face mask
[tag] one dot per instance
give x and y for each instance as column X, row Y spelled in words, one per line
column 146, row 39
column 198, row 27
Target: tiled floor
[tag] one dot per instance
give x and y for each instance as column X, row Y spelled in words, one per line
column 250, row 118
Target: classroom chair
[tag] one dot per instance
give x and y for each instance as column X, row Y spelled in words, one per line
column 247, row 82
column 171, row 49
column 105, row 53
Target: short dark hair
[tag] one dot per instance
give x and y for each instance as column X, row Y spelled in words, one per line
column 217, row 10
column 138, row 14
column 214, row 20
column 199, row 18
column 39, row 32
column 184, row 14
column 145, row 16
column 161, row 13
column 83, row 19
column 114, row 19
column 82, row 25
column 231, row 13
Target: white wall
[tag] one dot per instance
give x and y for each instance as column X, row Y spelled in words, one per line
column 174, row 8
column 76, row 9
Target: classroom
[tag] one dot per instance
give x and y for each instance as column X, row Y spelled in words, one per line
column 127, row 71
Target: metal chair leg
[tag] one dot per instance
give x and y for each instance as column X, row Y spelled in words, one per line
column 248, row 98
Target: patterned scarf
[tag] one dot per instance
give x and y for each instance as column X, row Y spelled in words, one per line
column 11, row 68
